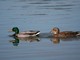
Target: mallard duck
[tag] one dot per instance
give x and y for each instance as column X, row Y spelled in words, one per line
column 56, row 33
column 30, row 33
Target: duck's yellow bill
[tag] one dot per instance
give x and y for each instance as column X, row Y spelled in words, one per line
column 10, row 30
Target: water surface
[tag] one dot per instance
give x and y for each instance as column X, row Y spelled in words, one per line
column 40, row 15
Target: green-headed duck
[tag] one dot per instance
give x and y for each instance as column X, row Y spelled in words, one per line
column 30, row 33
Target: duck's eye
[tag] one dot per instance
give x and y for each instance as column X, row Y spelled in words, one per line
column 13, row 29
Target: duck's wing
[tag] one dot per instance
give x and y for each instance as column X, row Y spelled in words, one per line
column 32, row 32
column 27, row 33
column 70, row 32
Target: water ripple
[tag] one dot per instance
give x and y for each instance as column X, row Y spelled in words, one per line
column 2, row 0
column 57, row 7
column 38, row 14
column 39, row 3
column 65, row 5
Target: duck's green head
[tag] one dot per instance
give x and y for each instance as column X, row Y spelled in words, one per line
column 15, row 29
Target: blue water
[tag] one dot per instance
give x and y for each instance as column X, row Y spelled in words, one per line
column 40, row 15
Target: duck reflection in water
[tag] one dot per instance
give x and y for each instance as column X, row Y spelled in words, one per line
column 28, row 39
column 15, row 42
column 56, row 40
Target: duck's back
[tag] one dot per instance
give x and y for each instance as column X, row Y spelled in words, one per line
column 68, row 34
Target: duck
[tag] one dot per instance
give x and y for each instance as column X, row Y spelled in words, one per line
column 56, row 33
column 24, row 34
